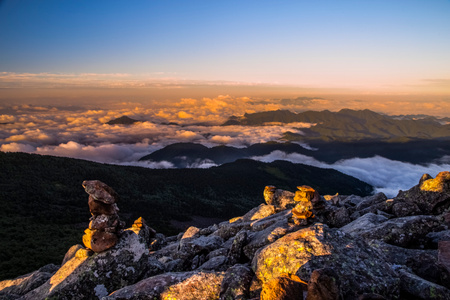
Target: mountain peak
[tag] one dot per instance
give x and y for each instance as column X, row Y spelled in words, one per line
column 123, row 120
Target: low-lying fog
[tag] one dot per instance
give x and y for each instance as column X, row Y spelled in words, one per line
column 82, row 133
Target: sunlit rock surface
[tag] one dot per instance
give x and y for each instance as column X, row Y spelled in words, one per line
column 330, row 247
column 95, row 276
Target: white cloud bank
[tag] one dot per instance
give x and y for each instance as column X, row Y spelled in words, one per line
column 387, row 176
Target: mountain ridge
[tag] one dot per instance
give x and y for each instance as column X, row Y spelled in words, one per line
column 349, row 125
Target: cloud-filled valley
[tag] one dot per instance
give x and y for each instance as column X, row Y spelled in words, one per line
column 81, row 132
column 387, row 176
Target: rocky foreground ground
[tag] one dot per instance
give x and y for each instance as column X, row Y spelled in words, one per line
column 295, row 246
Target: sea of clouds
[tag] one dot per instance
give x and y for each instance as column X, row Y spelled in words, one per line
column 80, row 132
column 387, row 176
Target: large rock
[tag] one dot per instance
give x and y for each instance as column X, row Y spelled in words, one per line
column 92, row 277
column 361, row 269
column 236, row 283
column 415, row 287
column 14, row 288
column 363, row 224
column 324, row 284
column 283, row 288
column 432, row 196
column 187, row 286
column 404, row 232
column 281, row 199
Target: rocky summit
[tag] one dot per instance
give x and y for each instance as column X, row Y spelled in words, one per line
column 296, row 245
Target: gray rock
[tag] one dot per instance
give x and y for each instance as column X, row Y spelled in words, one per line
column 432, row 196
column 227, row 230
column 363, row 224
column 71, row 253
column 281, row 199
column 216, row 263
column 415, row 287
column 236, row 283
column 259, row 212
column 361, row 269
column 92, row 277
column 217, row 252
column 193, row 246
column 371, row 200
column 404, row 232
column 236, row 253
column 436, row 237
column 186, row 286
column 26, row 283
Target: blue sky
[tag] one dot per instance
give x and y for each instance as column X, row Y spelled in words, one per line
column 359, row 44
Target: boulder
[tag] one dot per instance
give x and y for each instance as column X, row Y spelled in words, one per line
column 92, row 277
column 408, row 232
column 363, row 224
column 280, row 199
column 415, row 287
column 370, row 200
column 187, row 286
column 259, row 212
column 334, row 217
column 145, row 232
column 14, row 288
column 71, row 253
column 444, row 254
column 283, row 288
column 361, row 269
column 324, row 284
column 236, row 283
column 432, row 196
column 236, row 253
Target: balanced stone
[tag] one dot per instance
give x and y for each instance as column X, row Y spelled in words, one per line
column 105, row 223
column 100, row 191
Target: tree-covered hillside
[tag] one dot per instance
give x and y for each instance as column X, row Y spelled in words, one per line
column 45, row 209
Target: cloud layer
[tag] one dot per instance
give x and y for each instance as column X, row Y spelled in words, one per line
column 387, row 176
column 79, row 132
column 82, row 133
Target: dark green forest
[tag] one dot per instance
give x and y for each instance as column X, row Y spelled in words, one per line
column 44, row 209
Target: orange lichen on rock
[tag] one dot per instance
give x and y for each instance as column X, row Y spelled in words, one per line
column 283, row 287
column 437, row 184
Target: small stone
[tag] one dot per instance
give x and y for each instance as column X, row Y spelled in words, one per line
column 99, row 241
column 100, row 191
column 99, row 208
column 101, row 222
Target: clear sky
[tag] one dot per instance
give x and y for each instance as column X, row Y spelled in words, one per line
column 396, row 46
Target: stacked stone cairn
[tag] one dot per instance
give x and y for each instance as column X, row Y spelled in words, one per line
column 105, row 225
column 308, row 201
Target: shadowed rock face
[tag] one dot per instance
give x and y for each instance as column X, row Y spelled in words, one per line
column 349, row 247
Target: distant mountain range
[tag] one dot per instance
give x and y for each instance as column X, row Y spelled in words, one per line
column 350, row 125
column 42, row 200
column 184, row 155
